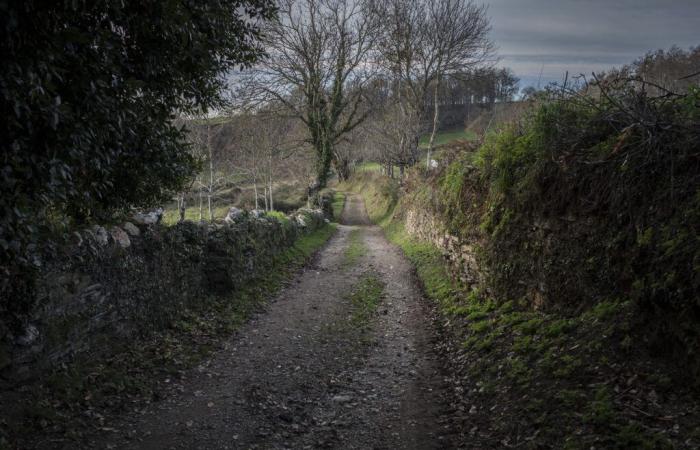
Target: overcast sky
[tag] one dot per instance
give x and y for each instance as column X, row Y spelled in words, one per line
column 582, row 36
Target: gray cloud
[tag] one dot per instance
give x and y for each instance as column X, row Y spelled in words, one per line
column 582, row 36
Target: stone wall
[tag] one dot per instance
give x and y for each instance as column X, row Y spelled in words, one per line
column 461, row 254
column 129, row 280
column 473, row 268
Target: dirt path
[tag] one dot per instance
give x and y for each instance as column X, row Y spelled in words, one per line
column 297, row 376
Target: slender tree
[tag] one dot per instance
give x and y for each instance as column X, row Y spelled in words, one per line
column 317, row 50
column 425, row 42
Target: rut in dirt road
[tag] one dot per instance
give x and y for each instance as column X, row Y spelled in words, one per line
column 297, row 376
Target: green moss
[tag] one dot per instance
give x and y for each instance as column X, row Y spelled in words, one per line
column 566, row 366
column 570, row 398
column 604, row 310
column 523, row 344
column 476, row 316
column 479, row 327
column 559, row 327
column 600, row 411
column 518, row 371
column 531, row 326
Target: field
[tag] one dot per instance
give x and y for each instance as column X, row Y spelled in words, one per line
column 446, row 137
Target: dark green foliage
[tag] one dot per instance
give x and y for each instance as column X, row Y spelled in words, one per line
column 88, row 92
column 601, row 198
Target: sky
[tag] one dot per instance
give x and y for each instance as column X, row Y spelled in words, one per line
column 582, row 36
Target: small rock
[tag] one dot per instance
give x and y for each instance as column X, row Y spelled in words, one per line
column 76, row 239
column 300, row 220
column 131, row 229
column 149, row 218
column 341, row 398
column 101, row 235
column 233, row 214
column 29, row 336
column 472, row 410
column 120, row 237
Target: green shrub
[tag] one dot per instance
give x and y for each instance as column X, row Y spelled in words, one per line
column 88, row 95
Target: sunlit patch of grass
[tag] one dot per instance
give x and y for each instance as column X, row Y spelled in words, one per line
column 446, row 137
column 355, row 249
column 279, row 215
column 368, row 166
column 172, row 216
column 338, row 205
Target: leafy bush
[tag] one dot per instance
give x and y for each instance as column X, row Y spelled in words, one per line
column 598, row 195
column 88, row 92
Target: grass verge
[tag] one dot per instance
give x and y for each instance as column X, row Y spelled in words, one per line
column 66, row 403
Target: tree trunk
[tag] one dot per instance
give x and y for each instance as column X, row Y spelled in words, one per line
column 270, row 180
column 265, row 195
column 436, row 120
column 201, row 205
column 272, row 207
column 182, row 208
column 255, row 191
column 324, row 153
column 211, row 213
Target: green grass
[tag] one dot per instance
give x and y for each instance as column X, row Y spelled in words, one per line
column 338, row 205
column 356, row 248
column 446, row 137
column 368, row 166
column 282, row 217
column 308, row 244
column 365, row 298
column 172, row 216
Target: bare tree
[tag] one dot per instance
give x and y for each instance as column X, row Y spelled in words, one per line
column 426, row 41
column 317, row 51
column 216, row 168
